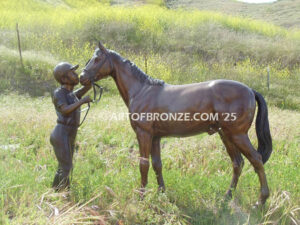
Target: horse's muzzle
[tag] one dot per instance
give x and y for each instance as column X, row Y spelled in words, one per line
column 84, row 79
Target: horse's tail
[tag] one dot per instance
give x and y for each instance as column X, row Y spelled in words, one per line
column 262, row 128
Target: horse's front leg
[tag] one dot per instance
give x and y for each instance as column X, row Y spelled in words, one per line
column 145, row 144
column 156, row 162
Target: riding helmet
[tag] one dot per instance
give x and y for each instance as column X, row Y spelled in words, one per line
column 61, row 69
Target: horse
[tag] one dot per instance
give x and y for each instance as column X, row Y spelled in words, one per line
column 232, row 102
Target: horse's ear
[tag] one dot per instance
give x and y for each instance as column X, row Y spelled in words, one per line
column 102, row 48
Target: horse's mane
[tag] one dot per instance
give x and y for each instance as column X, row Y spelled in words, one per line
column 138, row 73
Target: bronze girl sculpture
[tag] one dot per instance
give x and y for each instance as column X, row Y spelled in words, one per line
column 67, row 105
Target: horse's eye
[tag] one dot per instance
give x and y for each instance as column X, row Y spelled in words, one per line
column 87, row 62
column 96, row 60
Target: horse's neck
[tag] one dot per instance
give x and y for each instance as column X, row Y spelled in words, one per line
column 127, row 83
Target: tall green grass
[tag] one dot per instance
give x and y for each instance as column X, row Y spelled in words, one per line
column 197, row 172
column 152, row 18
column 36, row 79
column 67, row 29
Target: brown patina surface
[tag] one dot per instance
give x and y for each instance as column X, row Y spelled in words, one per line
column 143, row 94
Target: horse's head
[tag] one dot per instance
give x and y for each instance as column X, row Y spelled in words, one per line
column 98, row 67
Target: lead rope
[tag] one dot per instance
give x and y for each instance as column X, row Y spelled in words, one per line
column 87, row 111
column 96, row 100
column 95, row 92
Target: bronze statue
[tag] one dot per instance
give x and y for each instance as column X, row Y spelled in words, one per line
column 143, row 94
column 67, row 105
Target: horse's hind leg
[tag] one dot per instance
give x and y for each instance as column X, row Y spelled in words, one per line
column 156, row 163
column 237, row 163
column 243, row 143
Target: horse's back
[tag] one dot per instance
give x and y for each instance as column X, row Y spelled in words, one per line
column 214, row 91
column 234, row 102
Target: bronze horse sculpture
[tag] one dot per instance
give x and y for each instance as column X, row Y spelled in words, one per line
column 143, row 94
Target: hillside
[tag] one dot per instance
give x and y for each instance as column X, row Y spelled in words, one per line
column 181, row 46
column 179, row 42
column 284, row 13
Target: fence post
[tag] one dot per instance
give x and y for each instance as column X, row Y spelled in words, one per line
column 146, row 64
column 19, row 46
column 268, row 78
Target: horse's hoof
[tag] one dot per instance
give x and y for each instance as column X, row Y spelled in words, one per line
column 161, row 189
column 258, row 205
column 142, row 192
column 228, row 195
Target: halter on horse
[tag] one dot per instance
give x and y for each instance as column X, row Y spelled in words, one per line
column 95, row 99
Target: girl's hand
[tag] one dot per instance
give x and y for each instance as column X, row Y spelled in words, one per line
column 86, row 99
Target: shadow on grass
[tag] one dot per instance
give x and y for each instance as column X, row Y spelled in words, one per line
column 226, row 212
column 23, row 82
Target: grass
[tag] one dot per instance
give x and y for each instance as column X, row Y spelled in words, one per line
column 145, row 28
column 197, row 172
column 283, row 12
column 36, row 79
column 181, row 46
column 60, row 17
